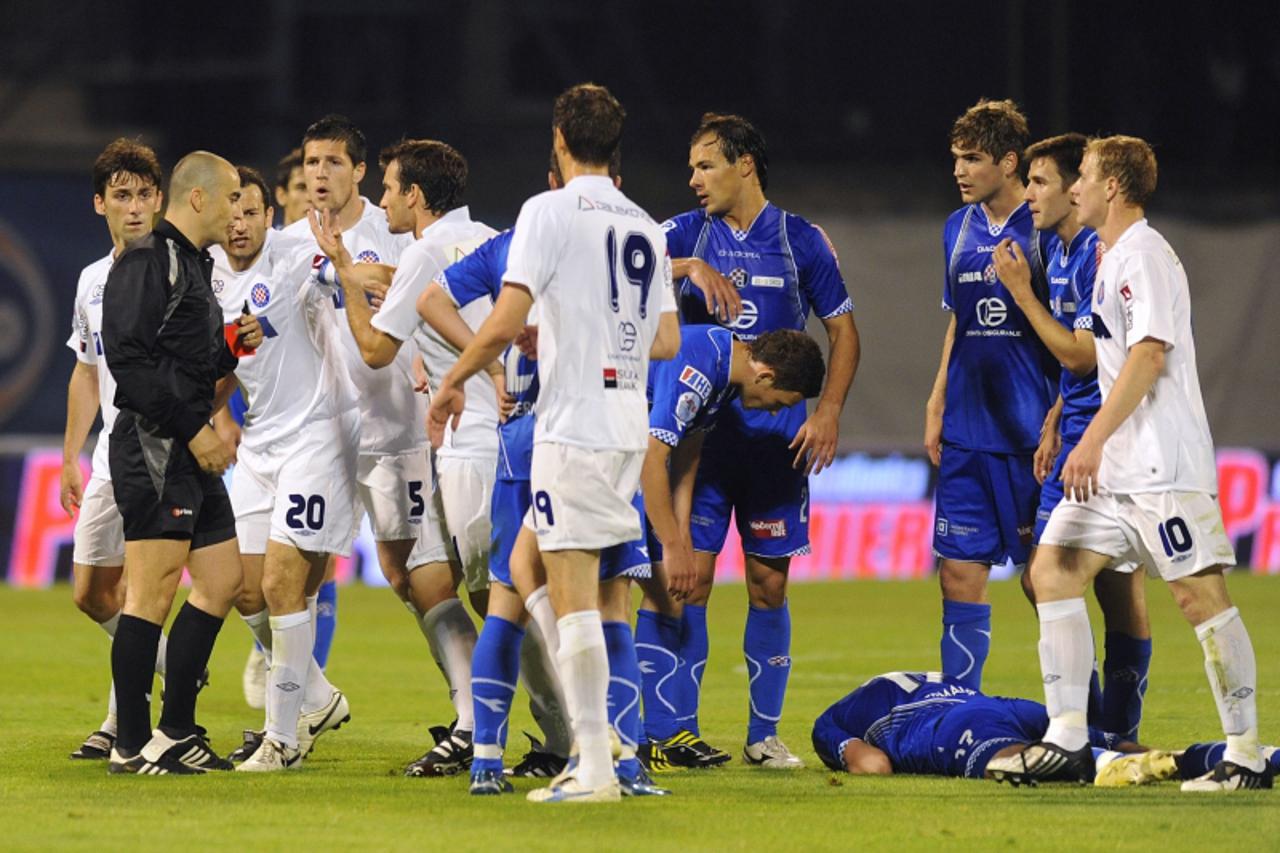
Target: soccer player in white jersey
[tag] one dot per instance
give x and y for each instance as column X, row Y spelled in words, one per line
column 294, row 482
column 424, row 182
column 597, row 267
column 1140, row 486
column 126, row 192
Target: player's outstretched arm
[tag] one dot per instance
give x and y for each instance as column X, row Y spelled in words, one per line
column 667, row 342
column 815, row 443
column 82, row 408
column 1073, row 348
column 934, row 408
column 1137, row 377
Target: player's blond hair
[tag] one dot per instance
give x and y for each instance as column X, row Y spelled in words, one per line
column 1130, row 161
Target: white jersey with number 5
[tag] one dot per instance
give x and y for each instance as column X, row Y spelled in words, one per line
column 1165, row 445
column 597, row 268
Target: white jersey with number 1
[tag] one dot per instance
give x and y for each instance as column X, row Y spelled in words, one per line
column 597, row 268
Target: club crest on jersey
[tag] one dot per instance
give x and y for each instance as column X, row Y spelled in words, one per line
column 989, row 274
column 260, row 295
column 368, row 256
column 739, row 277
column 98, row 290
column 696, row 380
column 687, row 407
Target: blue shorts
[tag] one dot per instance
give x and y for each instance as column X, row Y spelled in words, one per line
column 985, row 506
column 511, row 499
column 1051, row 493
column 746, row 470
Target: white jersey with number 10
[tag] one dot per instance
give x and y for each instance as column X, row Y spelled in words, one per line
column 597, row 268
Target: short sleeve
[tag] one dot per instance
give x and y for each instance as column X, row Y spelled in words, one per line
column 476, row 276
column 1146, row 291
column 669, row 304
column 534, row 245
column 81, row 340
column 819, row 270
column 682, row 233
column 1084, row 289
column 675, row 404
column 948, row 246
column 398, row 316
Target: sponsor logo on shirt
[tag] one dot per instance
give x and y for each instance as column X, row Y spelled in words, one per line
column 611, row 377
column 747, row 318
column 969, row 277
column 98, row 290
column 696, row 380
column 738, row 253
column 217, row 284
column 180, row 511
column 1125, row 293
column 260, row 295
column 768, row 281
column 769, row 528
column 627, row 335
column 585, row 203
column 992, row 311
column 941, row 527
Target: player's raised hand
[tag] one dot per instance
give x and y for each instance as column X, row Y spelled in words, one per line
column 1012, row 268
column 723, row 300
column 1080, row 471
column 324, row 227
column 71, row 490
column 446, row 408
column 815, row 442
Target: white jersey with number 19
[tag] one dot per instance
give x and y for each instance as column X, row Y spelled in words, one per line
column 597, row 268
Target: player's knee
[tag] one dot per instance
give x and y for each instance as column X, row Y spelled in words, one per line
column 962, row 582
column 1028, row 585
column 96, row 602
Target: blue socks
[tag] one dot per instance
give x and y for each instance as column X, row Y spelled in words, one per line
column 766, row 644
column 326, row 621
column 658, row 651
column 624, row 693
column 966, row 640
column 1199, row 758
column 495, row 668
column 1125, row 668
column 693, row 660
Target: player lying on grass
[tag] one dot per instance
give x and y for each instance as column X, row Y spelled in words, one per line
column 930, row 724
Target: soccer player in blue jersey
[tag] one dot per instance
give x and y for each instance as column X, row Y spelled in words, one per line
column 931, row 724
column 1066, row 328
column 993, row 387
column 783, row 268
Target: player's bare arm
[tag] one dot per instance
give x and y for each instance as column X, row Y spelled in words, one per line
column 659, row 507
column 722, row 298
column 816, row 441
column 494, row 335
column 377, row 348
column 438, row 311
column 1137, row 377
column 667, row 342
column 1073, row 348
column 1050, row 443
column 863, row 759
column 82, row 408
column 937, row 403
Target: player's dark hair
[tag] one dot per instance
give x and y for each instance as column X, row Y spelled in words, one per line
column 615, row 166
column 992, row 127
column 795, row 359
column 737, row 137
column 338, row 128
column 437, row 169
column 250, row 176
column 1131, row 162
column 1066, row 152
column 284, row 169
column 125, row 157
column 590, row 118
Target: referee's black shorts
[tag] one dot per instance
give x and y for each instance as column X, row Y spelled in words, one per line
column 161, row 492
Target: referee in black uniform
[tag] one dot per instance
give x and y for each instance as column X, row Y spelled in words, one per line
column 165, row 347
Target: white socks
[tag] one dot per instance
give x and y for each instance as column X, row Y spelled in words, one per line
column 546, row 697
column 1233, row 678
column 319, row 690
column 1066, row 660
column 452, row 637
column 538, row 604
column 291, row 640
column 584, row 672
column 259, row 623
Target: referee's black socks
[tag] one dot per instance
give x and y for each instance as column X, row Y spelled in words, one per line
column 191, row 639
column 133, row 666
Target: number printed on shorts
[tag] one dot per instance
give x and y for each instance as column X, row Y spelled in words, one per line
column 1175, row 537
column 305, row 512
column 637, row 264
column 542, row 504
column 417, row 506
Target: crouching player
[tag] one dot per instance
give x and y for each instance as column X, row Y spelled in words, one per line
column 931, row 724
column 777, row 370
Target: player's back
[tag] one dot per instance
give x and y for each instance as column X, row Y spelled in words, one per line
column 598, row 270
column 1165, row 445
column 687, row 392
column 999, row 375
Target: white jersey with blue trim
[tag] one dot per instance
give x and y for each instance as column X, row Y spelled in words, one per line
column 86, row 343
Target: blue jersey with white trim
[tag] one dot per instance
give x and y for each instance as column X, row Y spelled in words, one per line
column 479, row 276
column 1000, row 377
column 783, row 266
column 687, row 392
column 1071, row 273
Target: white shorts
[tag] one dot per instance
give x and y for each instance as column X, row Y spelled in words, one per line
column 1174, row 534
column 99, row 535
column 582, row 498
column 395, row 490
column 466, row 492
column 433, row 544
column 299, row 492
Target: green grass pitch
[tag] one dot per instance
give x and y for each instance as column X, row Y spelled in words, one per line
column 351, row 795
